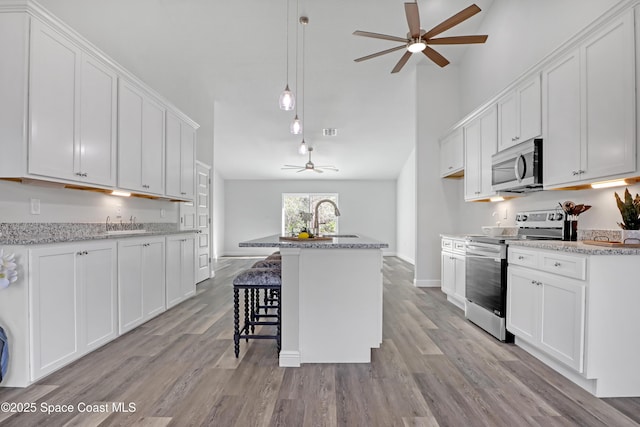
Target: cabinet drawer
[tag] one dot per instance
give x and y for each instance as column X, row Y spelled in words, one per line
column 523, row 257
column 565, row 265
column 459, row 246
column 447, row 244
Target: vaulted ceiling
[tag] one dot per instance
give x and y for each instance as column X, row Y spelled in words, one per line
column 224, row 64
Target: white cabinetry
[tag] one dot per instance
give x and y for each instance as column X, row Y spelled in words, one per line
column 141, row 281
column 480, row 139
column 452, row 154
column 181, row 268
column 519, row 114
column 589, row 109
column 72, row 109
column 180, row 163
column 141, row 141
column 72, row 302
column 453, row 270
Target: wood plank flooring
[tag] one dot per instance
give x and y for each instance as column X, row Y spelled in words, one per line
column 433, row 369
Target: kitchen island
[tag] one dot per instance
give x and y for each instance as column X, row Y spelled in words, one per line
column 331, row 298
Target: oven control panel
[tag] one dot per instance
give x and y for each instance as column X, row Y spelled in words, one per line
column 551, row 218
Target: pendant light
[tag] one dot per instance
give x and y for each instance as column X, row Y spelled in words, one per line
column 303, row 148
column 296, row 124
column 287, row 99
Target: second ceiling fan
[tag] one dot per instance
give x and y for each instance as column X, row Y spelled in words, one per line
column 418, row 40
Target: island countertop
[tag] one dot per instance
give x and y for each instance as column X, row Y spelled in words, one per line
column 359, row 242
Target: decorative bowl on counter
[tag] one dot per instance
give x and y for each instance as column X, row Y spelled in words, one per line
column 497, row 230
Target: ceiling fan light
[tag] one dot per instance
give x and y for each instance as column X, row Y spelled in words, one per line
column 296, row 126
column 303, row 149
column 416, row 46
column 287, row 99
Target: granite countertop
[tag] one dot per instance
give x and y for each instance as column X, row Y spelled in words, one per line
column 360, row 242
column 574, row 247
column 44, row 233
column 459, row 235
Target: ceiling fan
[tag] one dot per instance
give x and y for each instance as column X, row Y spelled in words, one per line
column 418, row 40
column 309, row 166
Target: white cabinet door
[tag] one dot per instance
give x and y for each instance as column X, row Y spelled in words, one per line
column 180, row 268
column 489, row 146
column 188, row 161
column 562, row 314
column 452, row 153
column 472, row 159
column 448, row 273
column 98, row 274
column 561, row 150
column 141, row 141
column 608, row 72
column 460, row 276
column 53, row 96
column 153, row 284
column 54, row 308
column 523, row 304
column 98, row 94
column 180, row 159
column 520, row 114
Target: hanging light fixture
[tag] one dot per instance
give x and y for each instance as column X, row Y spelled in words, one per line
column 303, row 148
column 296, row 125
column 287, row 98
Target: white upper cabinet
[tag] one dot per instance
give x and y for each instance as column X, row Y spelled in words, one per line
column 72, row 108
column 480, row 139
column 452, row 154
column 589, row 109
column 519, row 114
column 141, row 141
column 180, row 163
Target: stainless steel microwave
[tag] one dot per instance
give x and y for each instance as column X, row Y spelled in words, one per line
column 518, row 169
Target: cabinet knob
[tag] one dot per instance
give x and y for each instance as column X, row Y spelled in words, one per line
column 556, row 264
column 574, row 173
column 517, row 138
column 183, row 193
column 520, row 257
column 450, row 167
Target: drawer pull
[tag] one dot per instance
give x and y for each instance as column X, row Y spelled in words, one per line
column 557, row 264
column 520, row 257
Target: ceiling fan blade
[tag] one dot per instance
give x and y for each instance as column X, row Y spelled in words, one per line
column 317, row 170
column 435, row 56
column 384, row 52
column 458, row 40
column 301, row 170
column 291, row 167
column 413, row 19
column 380, row 36
column 329, row 168
column 459, row 17
column 402, row 61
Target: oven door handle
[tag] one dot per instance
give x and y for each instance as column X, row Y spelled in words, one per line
column 486, row 257
column 520, row 160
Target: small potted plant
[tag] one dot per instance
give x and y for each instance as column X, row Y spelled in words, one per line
column 630, row 212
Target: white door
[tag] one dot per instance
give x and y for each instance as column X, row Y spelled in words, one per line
column 203, row 179
column 523, row 307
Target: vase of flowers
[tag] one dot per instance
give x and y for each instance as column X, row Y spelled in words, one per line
column 8, row 269
column 630, row 212
column 570, row 226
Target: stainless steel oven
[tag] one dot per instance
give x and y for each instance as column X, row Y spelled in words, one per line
column 518, row 169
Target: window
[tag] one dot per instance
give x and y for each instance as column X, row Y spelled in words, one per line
column 298, row 208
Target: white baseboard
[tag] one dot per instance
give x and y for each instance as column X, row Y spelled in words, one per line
column 289, row 359
column 406, row 259
column 426, row 283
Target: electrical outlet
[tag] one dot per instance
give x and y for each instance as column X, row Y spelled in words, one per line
column 35, row 206
column 118, row 211
column 162, row 213
column 505, row 214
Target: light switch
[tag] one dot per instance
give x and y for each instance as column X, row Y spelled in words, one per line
column 35, row 206
column 162, row 213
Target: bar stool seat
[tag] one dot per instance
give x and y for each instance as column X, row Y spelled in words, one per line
column 252, row 280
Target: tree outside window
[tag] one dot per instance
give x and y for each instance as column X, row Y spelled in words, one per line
column 297, row 210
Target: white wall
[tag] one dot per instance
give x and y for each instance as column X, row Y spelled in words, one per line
column 406, row 210
column 521, row 33
column 437, row 200
column 218, row 217
column 253, row 209
column 66, row 205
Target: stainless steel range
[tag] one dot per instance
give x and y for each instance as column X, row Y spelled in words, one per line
column 486, row 269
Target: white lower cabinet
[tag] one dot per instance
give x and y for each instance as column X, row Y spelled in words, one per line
column 453, row 270
column 72, row 301
column 180, row 268
column 548, row 312
column 141, row 281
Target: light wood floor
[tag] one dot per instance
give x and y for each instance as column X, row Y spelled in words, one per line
column 433, row 368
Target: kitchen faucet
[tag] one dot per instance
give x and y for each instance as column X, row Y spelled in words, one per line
column 316, row 224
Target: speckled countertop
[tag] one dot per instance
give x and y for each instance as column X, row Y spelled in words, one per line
column 575, row 247
column 360, row 242
column 459, row 236
column 31, row 233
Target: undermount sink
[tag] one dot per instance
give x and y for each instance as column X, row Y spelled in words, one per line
column 117, row 232
column 340, row 235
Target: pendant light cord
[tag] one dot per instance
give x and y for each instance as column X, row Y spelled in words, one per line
column 287, row 22
column 297, row 36
column 304, row 94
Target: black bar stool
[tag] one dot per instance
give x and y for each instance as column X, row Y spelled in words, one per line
column 255, row 279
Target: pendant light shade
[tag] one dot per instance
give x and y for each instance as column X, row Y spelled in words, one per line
column 302, row 148
column 296, row 126
column 287, row 99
